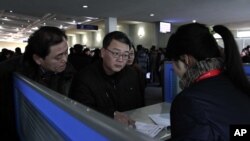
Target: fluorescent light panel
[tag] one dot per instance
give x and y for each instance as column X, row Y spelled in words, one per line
column 241, row 34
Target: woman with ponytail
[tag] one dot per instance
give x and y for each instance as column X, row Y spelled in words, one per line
column 216, row 92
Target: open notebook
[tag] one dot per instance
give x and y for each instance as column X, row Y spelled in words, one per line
column 161, row 121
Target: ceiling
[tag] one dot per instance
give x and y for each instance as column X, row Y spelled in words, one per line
column 28, row 14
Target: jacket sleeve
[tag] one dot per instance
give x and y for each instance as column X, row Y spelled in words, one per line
column 80, row 92
column 83, row 92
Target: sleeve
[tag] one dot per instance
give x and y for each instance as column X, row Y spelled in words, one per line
column 81, row 92
column 189, row 121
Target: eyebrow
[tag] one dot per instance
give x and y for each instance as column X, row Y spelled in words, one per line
column 62, row 52
column 116, row 49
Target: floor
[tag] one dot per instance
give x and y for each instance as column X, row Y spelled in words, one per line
column 153, row 94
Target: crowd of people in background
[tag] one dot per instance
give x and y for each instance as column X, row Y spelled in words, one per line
column 7, row 54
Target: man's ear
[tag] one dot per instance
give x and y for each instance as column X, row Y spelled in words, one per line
column 102, row 52
column 37, row 59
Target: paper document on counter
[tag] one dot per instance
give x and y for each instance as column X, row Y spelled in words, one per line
column 149, row 129
column 161, row 119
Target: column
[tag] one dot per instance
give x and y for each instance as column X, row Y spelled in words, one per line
column 110, row 24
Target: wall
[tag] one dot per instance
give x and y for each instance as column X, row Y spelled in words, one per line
column 143, row 33
column 12, row 45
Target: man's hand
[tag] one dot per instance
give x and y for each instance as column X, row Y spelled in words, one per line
column 124, row 119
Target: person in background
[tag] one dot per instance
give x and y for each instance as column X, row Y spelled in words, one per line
column 132, row 63
column 216, row 92
column 245, row 54
column 97, row 54
column 108, row 85
column 17, row 51
column 79, row 60
column 44, row 61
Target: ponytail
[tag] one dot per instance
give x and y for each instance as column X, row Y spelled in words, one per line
column 233, row 63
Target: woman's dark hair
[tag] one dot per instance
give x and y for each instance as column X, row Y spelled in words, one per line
column 233, row 63
column 116, row 35
column 193, row 39
column 40, row 41
column 197, row 40
column 135, row 53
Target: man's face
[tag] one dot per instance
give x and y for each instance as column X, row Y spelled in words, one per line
column 115, row 56
column 57, row 58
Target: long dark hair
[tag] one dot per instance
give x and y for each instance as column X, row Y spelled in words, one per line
column 197, row 40
column 233, row 63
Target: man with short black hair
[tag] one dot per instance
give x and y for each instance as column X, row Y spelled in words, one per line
column 108, row 85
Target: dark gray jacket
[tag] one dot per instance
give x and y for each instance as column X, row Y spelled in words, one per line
column 205, row 110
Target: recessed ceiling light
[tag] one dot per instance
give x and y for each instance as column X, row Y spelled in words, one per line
column 88, row 20
column 152, row 14
column 85, row 6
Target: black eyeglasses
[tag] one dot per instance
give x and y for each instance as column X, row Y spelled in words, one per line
column 118, row 54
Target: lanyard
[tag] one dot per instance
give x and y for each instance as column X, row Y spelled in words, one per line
column 208, row 74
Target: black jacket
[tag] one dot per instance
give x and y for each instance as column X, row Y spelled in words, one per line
column 59, row 82
column 106, row 94
column 205, row 110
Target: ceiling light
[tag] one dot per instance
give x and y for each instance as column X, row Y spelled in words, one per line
column 85, row 6
column 35, row 28
column 152, row 15
column 194, row 21
column 5, row 19
column 88, row 20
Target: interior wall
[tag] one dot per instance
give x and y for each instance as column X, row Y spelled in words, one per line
column 144, row 34
column 12, row 45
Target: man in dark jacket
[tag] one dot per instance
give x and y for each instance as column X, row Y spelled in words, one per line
column 44, row 61
column 108, row 86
